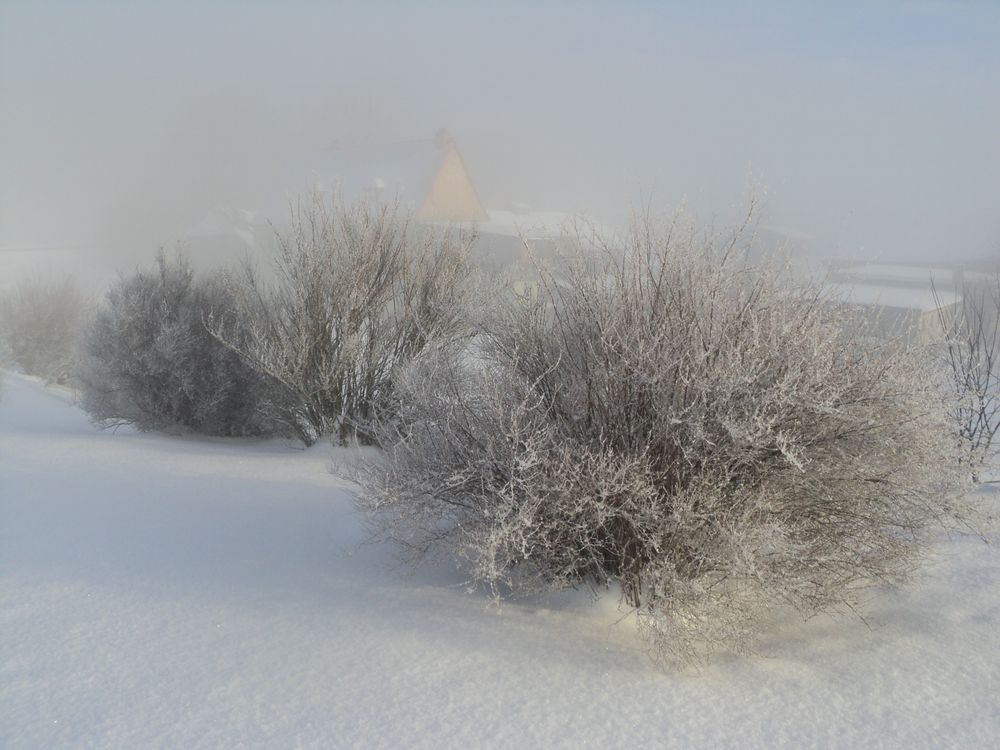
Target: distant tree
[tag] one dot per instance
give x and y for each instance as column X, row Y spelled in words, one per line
column 150, row 361
column 40, row 325
column 356, row 291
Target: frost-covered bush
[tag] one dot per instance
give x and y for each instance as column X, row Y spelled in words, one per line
column 149, row 359
column 711, row 435
column 357, row 290
column 972, row 359
column 40, row 324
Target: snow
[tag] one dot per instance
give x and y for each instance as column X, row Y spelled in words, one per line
column 160, row 591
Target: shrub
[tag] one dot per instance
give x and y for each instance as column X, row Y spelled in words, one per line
column 357, row 291
column 40, row 325
column 150, row 361
column 972, row 360
column 709, row 434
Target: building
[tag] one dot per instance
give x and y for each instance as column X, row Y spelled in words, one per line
column 912, row 313
column 427, row 177
column 906, row 276
column 906, row 299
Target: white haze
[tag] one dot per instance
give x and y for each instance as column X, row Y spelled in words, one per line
column 873, row 128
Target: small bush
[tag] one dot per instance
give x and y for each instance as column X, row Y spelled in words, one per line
column 40, row 325
column 356, row 291
column 711, row 435
column 150, row 361
column 972, row 360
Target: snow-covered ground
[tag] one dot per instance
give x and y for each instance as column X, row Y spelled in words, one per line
column 185, row 593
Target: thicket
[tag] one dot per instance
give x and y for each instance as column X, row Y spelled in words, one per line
column 40, row 325
column 149, row 359
column 972, row 360
column 716, row 436
column 356, row 291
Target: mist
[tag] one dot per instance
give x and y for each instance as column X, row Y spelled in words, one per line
column 873, row 131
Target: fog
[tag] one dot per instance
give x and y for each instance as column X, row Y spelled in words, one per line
column 874, row 129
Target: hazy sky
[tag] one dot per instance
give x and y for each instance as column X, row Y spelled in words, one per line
column 873, row 127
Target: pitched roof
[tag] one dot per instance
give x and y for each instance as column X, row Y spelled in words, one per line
column 405, row 171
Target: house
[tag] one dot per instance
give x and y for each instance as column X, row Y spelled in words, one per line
column 427, row 177
column 519, row 235
column 914, row 313
column 910, row 276
column 907, row 299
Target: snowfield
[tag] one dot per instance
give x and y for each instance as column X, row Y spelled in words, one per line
column 172, row 592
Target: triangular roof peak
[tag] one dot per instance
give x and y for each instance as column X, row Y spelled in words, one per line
column 426, row 176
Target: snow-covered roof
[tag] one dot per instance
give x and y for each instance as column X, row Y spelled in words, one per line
column 539, row 224
column 526, row 223
column 901, row 298
column 904, row 274
column 401, row 171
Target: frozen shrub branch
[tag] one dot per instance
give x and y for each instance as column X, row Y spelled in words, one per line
column 40, row 326
column 150, row 361
column 972, row 356
column 356, row 291
column 714, row 435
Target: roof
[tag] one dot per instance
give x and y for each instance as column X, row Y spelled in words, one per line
column 903, row 274
column 900, row 298
column 526, row 224
column 404, row 171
